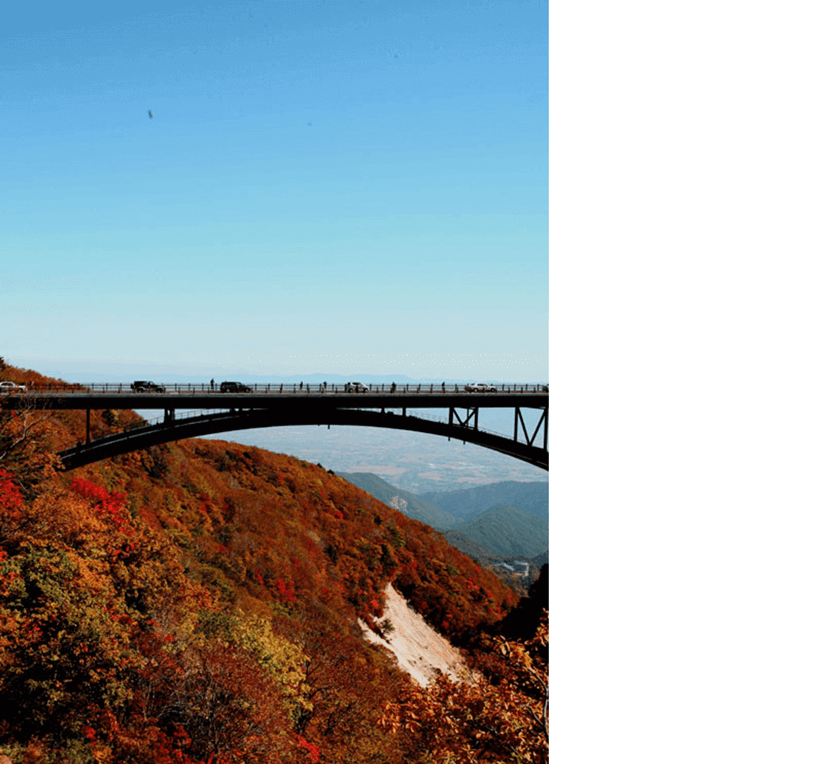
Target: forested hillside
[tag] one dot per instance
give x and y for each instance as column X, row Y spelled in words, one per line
column 531, row 497
column 199, row 602
column 507, row 531
column 404, row 501
column 490, row 531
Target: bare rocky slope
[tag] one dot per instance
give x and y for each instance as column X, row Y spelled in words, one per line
column 419, row 650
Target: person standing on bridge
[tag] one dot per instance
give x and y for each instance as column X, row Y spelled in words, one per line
column 213, row 384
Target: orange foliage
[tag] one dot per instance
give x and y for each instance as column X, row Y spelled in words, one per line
column 500, row 715
column 132, row 593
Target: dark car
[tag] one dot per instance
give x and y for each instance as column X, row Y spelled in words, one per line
column 145, row 386
column 234, row 387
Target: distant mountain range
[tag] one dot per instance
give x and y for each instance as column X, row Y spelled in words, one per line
column 500, row 520
column 407, row 503
column 507, row 531
column 530, row 497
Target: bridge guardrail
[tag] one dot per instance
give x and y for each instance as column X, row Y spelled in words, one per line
column 275, row 388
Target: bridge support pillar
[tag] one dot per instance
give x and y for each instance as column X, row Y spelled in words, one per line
column 545, row 429
column 529, row 439
column 471, row 418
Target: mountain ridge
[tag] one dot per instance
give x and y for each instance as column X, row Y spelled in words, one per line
column 403, row 501
column 529, row 496
column 507, row 531
column 484, row 533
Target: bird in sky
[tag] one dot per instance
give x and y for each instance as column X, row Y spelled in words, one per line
column 150, row 113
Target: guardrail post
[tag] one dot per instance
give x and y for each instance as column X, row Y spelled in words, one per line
column 545, row 429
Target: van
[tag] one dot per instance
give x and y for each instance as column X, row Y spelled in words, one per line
column 145, row 386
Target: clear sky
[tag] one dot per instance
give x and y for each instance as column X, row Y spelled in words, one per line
column 322, row 187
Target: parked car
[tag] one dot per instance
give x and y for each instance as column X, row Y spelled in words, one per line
column 11, row 387
column 479, row 387
column 234, row 387
column 145, row 386
column 356, row 387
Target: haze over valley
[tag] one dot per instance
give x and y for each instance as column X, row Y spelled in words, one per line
column 415, row 462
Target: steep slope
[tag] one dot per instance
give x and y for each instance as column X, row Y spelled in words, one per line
column 507, row 531
column 200, row 601
column 531, row 497
column 407, row 503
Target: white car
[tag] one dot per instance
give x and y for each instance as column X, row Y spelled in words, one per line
column 356, row 387
column 10, row 387
column 479, row 387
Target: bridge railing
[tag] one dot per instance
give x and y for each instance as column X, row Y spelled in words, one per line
column 276, row 388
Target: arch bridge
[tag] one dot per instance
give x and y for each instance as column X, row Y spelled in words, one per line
column 194, row 410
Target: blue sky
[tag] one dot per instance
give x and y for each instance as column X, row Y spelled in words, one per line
column 336, row 187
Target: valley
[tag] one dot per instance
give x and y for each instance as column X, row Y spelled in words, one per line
column 414, row 462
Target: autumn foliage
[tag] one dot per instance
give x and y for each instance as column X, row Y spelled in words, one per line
column 498, row 714
column 199, row 602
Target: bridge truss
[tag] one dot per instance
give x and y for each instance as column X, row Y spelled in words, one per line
column 191, row 413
